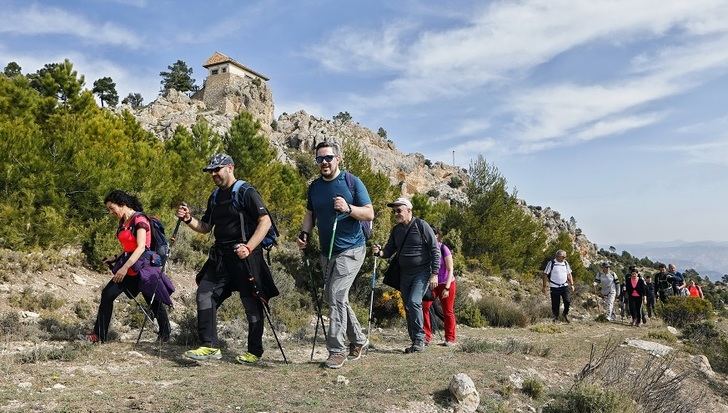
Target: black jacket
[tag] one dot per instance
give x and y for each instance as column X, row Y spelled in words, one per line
column 641, row 287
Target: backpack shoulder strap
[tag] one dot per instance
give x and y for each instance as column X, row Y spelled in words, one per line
column 349, row 178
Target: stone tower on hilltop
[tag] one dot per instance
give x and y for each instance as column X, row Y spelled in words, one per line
column 231, row 87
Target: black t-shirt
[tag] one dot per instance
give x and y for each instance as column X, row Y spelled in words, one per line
column 226, row 219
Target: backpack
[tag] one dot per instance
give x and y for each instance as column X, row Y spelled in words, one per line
column 159, row 244
column 366, row 226
column 271, row 238
column 553, row 261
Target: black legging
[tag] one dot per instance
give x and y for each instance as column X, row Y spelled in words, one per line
column 129, row 286
column 635, row 309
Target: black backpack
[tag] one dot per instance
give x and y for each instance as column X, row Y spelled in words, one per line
column 159, row 245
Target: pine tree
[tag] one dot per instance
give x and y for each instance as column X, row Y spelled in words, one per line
column 105, row 89
column 178, row 78
column 134, row 100
column 12, row 69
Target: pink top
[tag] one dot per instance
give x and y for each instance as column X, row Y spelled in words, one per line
column 634, row 281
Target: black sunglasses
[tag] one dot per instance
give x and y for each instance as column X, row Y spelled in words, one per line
column 327, row 158
column 215, row 169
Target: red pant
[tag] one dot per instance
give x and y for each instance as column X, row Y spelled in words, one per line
column 448, row 308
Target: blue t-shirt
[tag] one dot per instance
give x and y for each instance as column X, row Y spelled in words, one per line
column 321, row 196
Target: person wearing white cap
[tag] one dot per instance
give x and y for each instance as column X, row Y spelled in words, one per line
column 415, row 245
column 609, row 283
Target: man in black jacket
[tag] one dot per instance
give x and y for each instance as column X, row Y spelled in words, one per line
column 419, row 258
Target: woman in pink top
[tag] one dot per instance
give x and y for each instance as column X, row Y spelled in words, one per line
column 636, row 293
column 445, row 291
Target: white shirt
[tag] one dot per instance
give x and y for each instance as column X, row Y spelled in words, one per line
column 559, row 273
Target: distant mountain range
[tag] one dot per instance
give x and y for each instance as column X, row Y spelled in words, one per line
column 706, row 257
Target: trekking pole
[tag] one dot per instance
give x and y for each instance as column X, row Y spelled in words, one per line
column 317, row 305
column 169, row 252
column 371, row 297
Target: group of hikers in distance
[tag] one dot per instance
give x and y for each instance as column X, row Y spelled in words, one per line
column 632, row 292
column 338, row 204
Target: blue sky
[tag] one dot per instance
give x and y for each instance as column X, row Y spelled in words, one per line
column 612, row 112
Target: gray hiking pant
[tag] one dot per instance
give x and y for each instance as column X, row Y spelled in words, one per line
column 609, row 305
column 339, row 274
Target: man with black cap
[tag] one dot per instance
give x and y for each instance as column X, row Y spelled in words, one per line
column 240, row 221
column 609, row 284
column 338, row 202
column 663, row 283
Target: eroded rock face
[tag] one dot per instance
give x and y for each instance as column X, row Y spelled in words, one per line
column 302, row 132
column 555, row 224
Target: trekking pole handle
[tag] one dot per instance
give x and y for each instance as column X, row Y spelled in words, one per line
column 374, row 273
column 173, row 238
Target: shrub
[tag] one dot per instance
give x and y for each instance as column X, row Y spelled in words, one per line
column 468, row 314
column 60, row 330
column 535, row 309
column 681, row 311
column 589, row 399
column 706, row 338
column 501, row 313
column 10, row 326
column 455, row 182
column 546, row 329
column 601, row 318
column 82, row 309
column 662, row 334
column 533, row 387
column 433, row 193
column 187, row 331
column 68, row 352
column 29, row 300
column 509, row 346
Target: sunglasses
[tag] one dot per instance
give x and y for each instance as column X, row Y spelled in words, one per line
column 214, row 170
column 327, row 158
column 398, row 210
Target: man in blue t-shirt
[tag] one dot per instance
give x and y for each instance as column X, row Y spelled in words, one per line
column 331, row 200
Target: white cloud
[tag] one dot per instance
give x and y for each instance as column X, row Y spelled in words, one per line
column 501, row 41
column 715, row 152
column 36, row 20
column 569, row 111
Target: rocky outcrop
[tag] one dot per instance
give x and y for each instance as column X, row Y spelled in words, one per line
column 412, row 172
column 555, row 225
column 224, row 96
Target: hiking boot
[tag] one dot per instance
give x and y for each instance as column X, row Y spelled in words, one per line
column 414, row 348
column 449, row 344
column 566, row 318
column 247, row 358
column 554, row 319
column 355, row 350
column 204, row 353
column 91, row 338
column 335, row 360
column 162, row 339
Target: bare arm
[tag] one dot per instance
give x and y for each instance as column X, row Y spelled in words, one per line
column 307, row 227
column 264, row 224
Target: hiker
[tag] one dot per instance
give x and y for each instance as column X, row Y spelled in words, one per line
column 418, row 255
column 636, row 292
column 337, row 203
column 445, row 292
column 623, row 301
column 557, row 277
column 678, row 280
column 231, row 264
column 651, row 295
column 663, row 282
column 133, row 269
column 609, row 284
column 694, row 290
